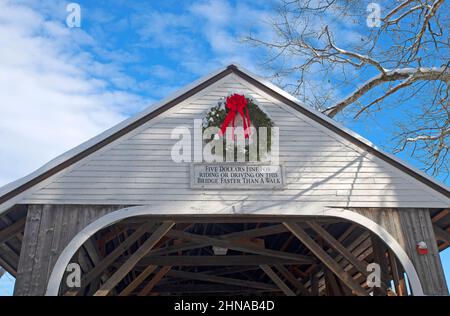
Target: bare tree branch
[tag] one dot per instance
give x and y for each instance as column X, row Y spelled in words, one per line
column 405, row 60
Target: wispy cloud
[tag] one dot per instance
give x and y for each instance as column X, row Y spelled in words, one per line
column 53, row 94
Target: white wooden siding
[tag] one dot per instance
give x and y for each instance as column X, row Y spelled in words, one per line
column 321, row 167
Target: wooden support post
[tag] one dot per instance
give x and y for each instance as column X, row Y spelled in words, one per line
column 276, row 279
column 151, row 284
column 9, row 268
column 137, row 281
column 133, row 259
column 325, row 258
column 440, row 215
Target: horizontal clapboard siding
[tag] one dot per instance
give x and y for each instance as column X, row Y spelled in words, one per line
column 319, row 168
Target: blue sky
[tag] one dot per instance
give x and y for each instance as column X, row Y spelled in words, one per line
column 125, row 56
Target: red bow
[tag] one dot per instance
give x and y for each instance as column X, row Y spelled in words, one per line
column 236, row 103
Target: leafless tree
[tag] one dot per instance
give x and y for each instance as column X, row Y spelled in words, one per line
column 399, row 62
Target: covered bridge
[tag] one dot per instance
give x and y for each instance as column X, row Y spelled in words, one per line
column 136, row 222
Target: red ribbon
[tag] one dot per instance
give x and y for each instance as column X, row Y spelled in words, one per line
column 236, row 103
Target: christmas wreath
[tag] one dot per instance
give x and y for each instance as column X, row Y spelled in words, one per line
column 237, row 107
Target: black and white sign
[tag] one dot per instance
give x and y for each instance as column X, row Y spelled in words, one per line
column 236, row 176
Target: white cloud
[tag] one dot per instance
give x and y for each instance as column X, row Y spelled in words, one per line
column 53, row 96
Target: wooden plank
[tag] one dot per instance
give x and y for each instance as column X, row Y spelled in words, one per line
column 8, row 267
column 334, row 243
column 223, row 280
column 314, row 282
column 239, row 247
column 440, row 215
column 12, row 230
column 441, row 234
column 229, row 260
column 171, row 289
column 137, row 255
column 325, row 258
column 276, row 279
column 256, row 232
column 110, row 258
column 151, row 284
column 138, row 280
column 293, row 280
column 265, row 231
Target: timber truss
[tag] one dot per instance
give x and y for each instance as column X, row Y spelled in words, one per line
column 314, row 256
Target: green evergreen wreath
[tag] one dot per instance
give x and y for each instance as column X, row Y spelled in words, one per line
column 217, row 114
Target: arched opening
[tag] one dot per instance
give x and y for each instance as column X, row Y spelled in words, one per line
column 134, row 252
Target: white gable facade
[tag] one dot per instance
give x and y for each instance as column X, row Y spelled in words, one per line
column 128, row 171
column 322, row 169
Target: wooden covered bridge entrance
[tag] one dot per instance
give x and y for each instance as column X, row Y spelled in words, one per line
column 136, row 221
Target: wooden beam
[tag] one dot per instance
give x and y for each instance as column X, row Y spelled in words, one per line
column 334, row 243
column 133, row 259
column 395, row 273
column 331, row 264
column 138, row 280
column 314, row 282
column 231, row 270
column 347, row 232
column 331, row 284
column 293, row 280
column 9, row 268
column 228, row 260
column 176, row 289
column 223, row 280
column 440, row 215
column 379, row 256
column 276, row 279
column 12, row 230
column 441, row 233
column 252, row 233
column 256, row 232
column 151, row 284
column 240, row 247
column 177, row 248
column 110, row 258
